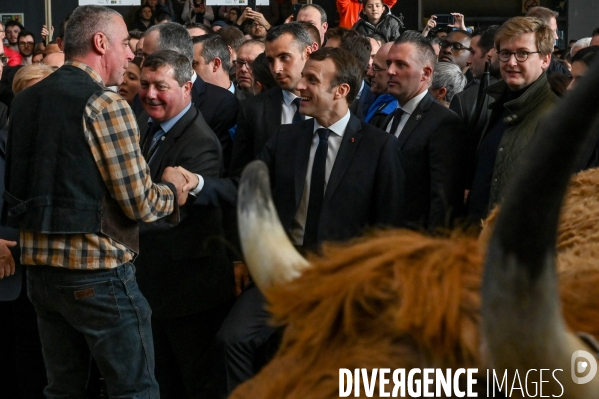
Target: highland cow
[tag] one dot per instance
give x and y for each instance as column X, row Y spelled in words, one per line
column 400, row 299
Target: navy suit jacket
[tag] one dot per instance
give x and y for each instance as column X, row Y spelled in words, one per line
column 433, row 149
column 365, row 188
column 185, row 269
column 220, row 108
column 259, row 119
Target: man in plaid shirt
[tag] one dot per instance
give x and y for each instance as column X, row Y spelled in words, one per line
column 76, row 185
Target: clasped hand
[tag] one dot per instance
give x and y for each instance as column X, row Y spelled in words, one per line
column 183, row 180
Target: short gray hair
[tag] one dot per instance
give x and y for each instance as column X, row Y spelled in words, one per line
column 172, row 36
column 580, row 44
column 170, row 58
column 84, row 23
column 450, row 76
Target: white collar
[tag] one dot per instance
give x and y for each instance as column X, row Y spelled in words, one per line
column 338, row 127
column 411, row 105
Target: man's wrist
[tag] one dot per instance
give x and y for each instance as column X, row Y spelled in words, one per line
column 199, row 187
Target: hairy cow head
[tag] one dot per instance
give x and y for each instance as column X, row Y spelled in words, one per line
column 399, row 299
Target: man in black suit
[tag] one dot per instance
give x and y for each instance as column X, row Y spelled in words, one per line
column 431, row 136
column 332, row 177
column 218, row 106
column 184, row 270
column 361, row 48
column 287, row 48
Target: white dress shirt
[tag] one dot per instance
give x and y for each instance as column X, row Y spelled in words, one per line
column 335, row 137
column 288, row 109
column 408, row 110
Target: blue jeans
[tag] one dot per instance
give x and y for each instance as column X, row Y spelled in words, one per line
column 97, row 311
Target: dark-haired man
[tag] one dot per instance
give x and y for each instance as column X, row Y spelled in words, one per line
column 455, row 48
column 184, row 270
column 430, row 136
column 11, row 30
column 352, row 41
column 327, row 186
column 287, row 48
column 26, row 43
column 482, row 50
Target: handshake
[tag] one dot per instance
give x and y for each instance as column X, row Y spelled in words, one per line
column 183, row 180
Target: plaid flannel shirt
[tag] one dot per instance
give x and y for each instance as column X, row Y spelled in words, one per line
column 111, row 130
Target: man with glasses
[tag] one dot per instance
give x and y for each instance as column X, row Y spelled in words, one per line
column 26, row 43
column 524, row 47
column 385, row 103
column 455, row 48
column 246, row 54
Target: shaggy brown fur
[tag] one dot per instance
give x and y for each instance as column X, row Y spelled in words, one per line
column 396, row 299
column 399, row 299
column 577, row 251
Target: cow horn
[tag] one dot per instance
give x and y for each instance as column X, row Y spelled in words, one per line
column 269, row 254
column 522, row 321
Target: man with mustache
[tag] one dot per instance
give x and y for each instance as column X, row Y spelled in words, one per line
column 287, row 48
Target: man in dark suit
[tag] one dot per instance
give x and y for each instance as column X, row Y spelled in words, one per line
column 332, row 177
column 287, row 48
column 218, row 106
column 184, row 270
column 431, row 136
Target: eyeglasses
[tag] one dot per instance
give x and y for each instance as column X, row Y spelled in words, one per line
column 26, row 43
column 376, row 68
column 520, row 55
column 455, row 47
column 240, row 63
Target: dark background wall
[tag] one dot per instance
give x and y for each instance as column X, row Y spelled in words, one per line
column 578, row 19
column 34, row 11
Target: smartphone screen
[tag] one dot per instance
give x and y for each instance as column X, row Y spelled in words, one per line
column 444, row 19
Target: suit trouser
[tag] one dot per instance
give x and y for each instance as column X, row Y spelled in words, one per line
column 243, row 333
column 185, row 353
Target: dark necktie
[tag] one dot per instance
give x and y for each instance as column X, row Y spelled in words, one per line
column 297, row 117
column 396, row 118
column 317, row 181
column 149, row 143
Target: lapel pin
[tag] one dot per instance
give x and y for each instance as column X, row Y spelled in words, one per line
column 418, row 117
column 352, row 139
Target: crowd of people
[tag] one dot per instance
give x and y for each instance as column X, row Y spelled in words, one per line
column 122, row 147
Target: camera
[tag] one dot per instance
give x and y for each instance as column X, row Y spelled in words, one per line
column 443, row 20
